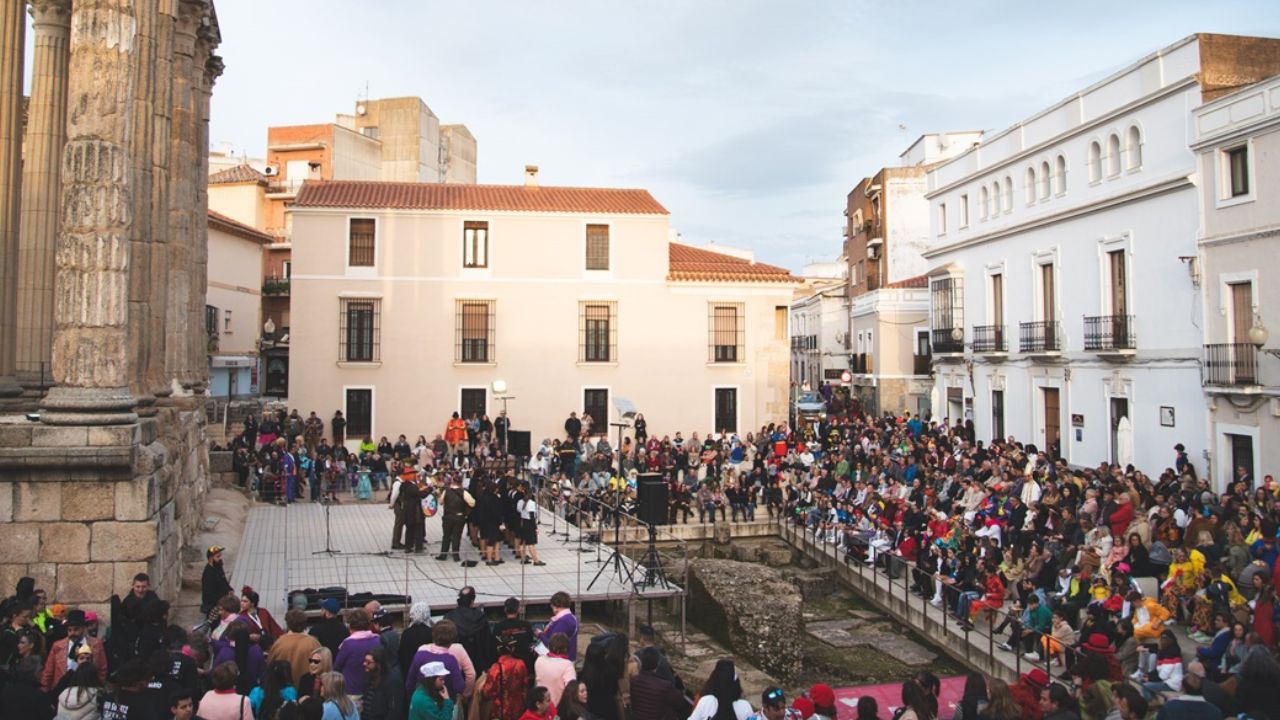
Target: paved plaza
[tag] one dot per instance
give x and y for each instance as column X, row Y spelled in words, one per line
column 278, row 553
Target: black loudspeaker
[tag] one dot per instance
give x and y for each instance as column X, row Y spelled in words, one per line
column 518, row 443
column 651, row 490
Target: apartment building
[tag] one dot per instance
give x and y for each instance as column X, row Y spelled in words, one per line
column 1064, row 306
column 233, row 305
column 819, row 322
column 1237, row 142
column 887, row 232
column 411, row 299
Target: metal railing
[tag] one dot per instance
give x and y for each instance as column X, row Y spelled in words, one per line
column 1041, row 336
column 942, row 342
column 1232, row 364
column 990, row 338
column 1109, row 332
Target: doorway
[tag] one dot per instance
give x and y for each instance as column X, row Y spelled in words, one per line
column 1119, row 411
column 1052, row 423
column 997, row 415
column 955, row 405
column 1241, row 454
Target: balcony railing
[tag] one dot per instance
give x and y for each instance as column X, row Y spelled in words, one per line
column 1041, row 337
column 990, row 339
column 1109, row 332
column 921, row 364
column 1231, row 364
column 275, row 285
column 942, row 342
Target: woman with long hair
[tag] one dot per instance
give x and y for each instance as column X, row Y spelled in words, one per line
column 722, row 696
column 276, row 690
column 573, row 702
column 383, row 689
column 337, row 704
column 1000, row 702
column 974, row 699
column 915, row 702
column 79, row 701
column 320, row 662
column 600, row 675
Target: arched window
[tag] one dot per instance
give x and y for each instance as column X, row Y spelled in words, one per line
column 1113, row 155
column 1095, row 161
column 995, row 198
column 984, row 204
column 1008, row 193
column 1031, row 185
column 1134, row 148
column 1060, row 175
column 1045, row 180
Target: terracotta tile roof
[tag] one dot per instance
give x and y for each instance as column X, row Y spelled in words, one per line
column 235, row 227
column 689, row 263
column 237, row 174
column 509, row 198
column 919, row 281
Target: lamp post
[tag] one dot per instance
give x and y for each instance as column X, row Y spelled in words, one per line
column 500, row 393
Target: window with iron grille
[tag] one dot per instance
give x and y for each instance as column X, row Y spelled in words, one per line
column 475, row 331
column 475, row 244
column 211, row 320
column 595, row 402
column 359, row 322
column 597, row 247
column 598, row 330
column 474, row 403
column 727, row 326
column 360, row 242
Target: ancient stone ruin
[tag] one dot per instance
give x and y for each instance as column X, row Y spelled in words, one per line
column 753, row 611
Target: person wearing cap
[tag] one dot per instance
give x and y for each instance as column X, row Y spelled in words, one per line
column 803, row 707
column 824, row 701
column 773, row 706
column 330, row 631
column 1027, row 692
column 64, row 655
column 213, row 583
column 432, row 698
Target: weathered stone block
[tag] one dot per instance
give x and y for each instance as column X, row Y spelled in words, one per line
column 133, row 499
column 220, row 462
column 83, row 583
column 37, row 501
column 83, row 501
column 112, row 435
column 123, row 541
column 45, row 575
column 15, row 436
column 6, row 504
column 19, row 543
column 753, row 610
column 722, row 534
column 10, row 573
column 55, row 436
column 64, row 542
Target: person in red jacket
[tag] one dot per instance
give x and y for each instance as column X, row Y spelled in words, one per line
column 539, row 705
column 992, row 599
column 62, row 655
column 1122, row 516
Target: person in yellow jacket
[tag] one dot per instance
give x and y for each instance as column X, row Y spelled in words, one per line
column 1186, row 575
column 1149, row 617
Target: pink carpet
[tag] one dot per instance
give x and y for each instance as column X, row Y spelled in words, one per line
column 889, row 697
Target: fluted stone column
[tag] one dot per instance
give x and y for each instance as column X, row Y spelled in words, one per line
column 182, row 155
column 92, row 365
column 13, row 31
column 41, row 190
column 162, row 112
column 140, row 238
column 199, row 361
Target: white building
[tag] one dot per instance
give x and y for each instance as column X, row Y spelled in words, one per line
column 819, row 327
column 1237, row 139
column 1064, row 305
column 233, row 305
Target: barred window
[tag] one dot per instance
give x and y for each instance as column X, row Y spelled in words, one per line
column 597, row 247
column 211, row 320
column 595, row 402
column 475, row 331
column 359, row 322
column 727, row 326
column 597, row 331
column 360, row 243
column 475, row 244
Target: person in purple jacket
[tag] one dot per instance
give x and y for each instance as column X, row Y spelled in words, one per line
column 437, row 651
column 350, row 658
column 562, row 621
column 236, row 647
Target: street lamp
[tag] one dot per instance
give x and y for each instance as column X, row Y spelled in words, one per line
column 1258, row 333
column 268, row 328
column 500, row 393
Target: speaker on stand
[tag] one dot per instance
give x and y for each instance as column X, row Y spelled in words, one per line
column 651, row 491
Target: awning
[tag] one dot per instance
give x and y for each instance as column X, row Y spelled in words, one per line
column 233, row 361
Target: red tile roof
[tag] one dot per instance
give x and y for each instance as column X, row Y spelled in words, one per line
column 508, row 198
column 230, row 225
column 919, row 281
column 237, row 174
column 689, row 263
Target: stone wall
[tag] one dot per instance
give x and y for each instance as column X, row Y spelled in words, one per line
column 85, row 508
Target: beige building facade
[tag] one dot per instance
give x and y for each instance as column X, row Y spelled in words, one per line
column 233, row 305
column 1237, row 141
column 410, row 300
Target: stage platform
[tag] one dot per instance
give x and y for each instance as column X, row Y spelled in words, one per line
column 277, row 553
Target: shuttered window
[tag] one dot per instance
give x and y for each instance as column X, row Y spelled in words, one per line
column 358, row 330
column 475, row 244
column 727, row 328
column 360, row 245
column 597, row 247
column 598, row 323
column 475, row 331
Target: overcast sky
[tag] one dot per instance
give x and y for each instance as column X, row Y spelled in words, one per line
column 750, row 120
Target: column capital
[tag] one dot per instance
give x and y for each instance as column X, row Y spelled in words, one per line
column 213, row 68
column 50, row 15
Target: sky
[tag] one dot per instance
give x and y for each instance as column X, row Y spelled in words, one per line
column 750, row 120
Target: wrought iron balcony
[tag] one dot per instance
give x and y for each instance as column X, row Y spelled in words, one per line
column 1109, row 332
column 1230, row 364
column 1041, row 337
column 942, row 342
column 990, row 339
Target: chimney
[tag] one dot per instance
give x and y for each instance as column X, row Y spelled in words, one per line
column 531, row 176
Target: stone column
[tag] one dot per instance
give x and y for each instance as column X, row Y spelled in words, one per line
column 212, row 69
column 42, row 190
column 162, row 111
column 178, row 330
column 140, row 239
column 13, row 32
column 91, row 358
